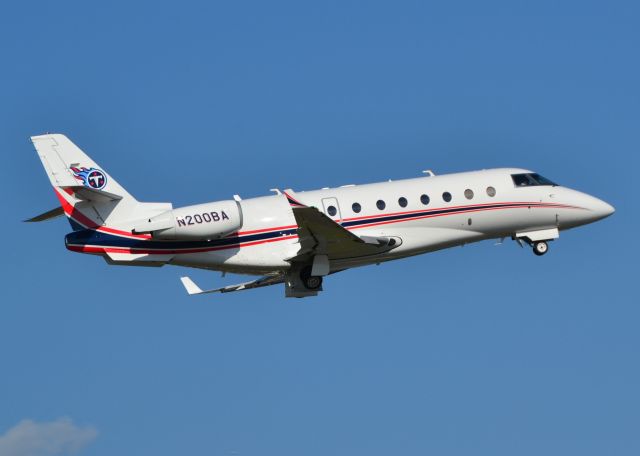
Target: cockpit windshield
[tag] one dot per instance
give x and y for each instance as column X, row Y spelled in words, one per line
column 530, row 180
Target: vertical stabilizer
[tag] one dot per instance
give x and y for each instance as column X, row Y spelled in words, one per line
column 69, row 167
column 89, row 196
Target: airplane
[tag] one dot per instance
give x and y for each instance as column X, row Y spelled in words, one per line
column 298, row 238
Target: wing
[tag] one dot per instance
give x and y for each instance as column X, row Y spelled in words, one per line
column 319, row 235
column 265, row 281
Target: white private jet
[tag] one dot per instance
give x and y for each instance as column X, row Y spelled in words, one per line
column 298, row 238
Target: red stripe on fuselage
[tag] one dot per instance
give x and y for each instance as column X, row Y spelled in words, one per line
column 82, row 219
column 263, row 230
column 101, row 250
column 419, row 217
column 479, row 206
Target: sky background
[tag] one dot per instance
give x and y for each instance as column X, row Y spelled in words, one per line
column 484, row 350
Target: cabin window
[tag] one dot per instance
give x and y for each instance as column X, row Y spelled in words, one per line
column 380, row 204
column 446, row 196
column 424, row 199
column 491, row 191
column 402, row 201
column 355, row 207
column 331, row 210
column 530, row 180
column 468, row 194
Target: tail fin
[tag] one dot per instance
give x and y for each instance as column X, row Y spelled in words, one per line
column 89, row 196
column 68, row 167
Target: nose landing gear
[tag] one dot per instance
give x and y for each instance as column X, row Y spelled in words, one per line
column 537, row 239
column 540, row 248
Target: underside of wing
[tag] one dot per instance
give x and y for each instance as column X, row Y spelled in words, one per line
column 265, row 281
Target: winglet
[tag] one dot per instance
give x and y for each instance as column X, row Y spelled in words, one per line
column 190, row 286
column 292, row 201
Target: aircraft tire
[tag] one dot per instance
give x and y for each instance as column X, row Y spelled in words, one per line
column 309, row 281
column 540, row 248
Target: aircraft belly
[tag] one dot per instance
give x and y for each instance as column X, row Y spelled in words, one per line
column 256, row 259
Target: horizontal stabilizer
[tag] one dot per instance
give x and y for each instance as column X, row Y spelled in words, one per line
column 265, row 281
column 91, row 194
column 53, row 213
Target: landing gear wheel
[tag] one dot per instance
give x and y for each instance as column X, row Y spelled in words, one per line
column 540, row 248
column 311, row 282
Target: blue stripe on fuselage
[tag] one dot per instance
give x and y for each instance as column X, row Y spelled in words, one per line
column 98, row 238
column 433, row 212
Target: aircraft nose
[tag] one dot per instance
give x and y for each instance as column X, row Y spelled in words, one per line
column 600, row 209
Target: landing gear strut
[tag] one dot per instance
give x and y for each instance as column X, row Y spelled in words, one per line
column 309, row 281
column 540, row 248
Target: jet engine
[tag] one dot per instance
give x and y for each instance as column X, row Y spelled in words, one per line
column 201, row 222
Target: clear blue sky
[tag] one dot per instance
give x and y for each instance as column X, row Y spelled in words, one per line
column 483, row 350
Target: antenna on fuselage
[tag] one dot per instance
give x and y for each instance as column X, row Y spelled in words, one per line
column 429, row 172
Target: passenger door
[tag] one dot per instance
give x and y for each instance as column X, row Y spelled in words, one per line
column 331, row 208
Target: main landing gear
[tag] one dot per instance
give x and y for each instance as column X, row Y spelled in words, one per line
column 309, row 281
column 540, row 247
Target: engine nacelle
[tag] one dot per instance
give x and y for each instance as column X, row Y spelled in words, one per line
column 198, row 222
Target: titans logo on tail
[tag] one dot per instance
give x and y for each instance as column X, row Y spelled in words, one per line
column 90, row 177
